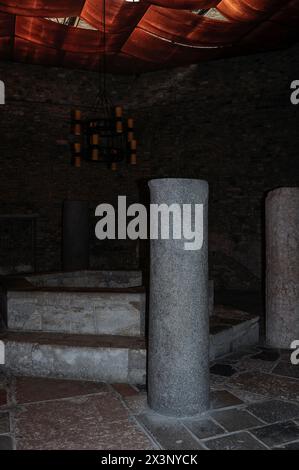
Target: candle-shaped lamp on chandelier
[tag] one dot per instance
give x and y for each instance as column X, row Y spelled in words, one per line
column 77, row 156
column 95, row 140
column 119, row 123
column 133, row 156
column 77, row 122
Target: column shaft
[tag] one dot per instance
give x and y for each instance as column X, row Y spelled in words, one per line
column 282, row 267
column 178, row 368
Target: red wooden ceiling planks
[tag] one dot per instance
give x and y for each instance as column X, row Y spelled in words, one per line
column 186, row 28
column 248, row 10
column 120, row 14
column 47, row 8
column 43, row 32
column 121, row 18
column 149, row 34
column 148, row 47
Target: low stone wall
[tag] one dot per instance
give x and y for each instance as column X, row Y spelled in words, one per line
column 111, row 313
column 80, row 363
column 113, row 358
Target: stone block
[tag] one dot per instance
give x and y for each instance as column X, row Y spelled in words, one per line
column 137, row 366
column 77, row 312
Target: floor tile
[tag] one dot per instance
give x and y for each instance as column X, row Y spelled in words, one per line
column 244, row 395
column 287, row 370
column 34, row 389
column 271, row 355
column 169, row 433
column 137, row 403
column 236, row 420
column 222, row 369
column 203, row 428
column 125, row 390
column 274, row 410
column 276, row 434
column 285, row 354
column 267, row 385
column 223, row 399
column 251, row 364
column 6, row 443
column 4, row 423
column 237, row 356
column 236, row 441
column 98, row 422
column 292, row 446
column 217, row 381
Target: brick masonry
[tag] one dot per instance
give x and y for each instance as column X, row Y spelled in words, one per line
column 230, row 122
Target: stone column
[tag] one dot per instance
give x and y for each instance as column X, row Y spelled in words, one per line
column 282, row 267
column 75, row 245
column 178, row 364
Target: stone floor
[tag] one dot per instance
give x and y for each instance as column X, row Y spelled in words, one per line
column 254, row 405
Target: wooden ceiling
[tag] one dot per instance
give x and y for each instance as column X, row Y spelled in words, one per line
column 145, row 35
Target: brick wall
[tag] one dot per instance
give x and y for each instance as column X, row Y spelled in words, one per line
column 230, row 122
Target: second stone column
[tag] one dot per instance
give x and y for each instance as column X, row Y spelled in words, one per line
column 282, row 267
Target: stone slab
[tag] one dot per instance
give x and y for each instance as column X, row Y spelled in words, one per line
column 287, row 370
column 21, row 356
column 236, row 420
column 97, row 422
column 271, row 411
column 223, row 399
column 266, row 385
column 203, row 428
column 88, row 278
column 83, row 362
column 36, row 389
column 6, row 443
column 77, row 312
column 169, row 433
column 236, row 441
column 277, row 434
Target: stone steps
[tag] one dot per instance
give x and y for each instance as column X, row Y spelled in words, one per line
column 85, row 357
column 93, row 311
column 111, row 358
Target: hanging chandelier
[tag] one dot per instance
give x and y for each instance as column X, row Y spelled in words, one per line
column 105, row 136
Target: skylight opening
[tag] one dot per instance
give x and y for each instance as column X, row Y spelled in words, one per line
column 76, row 22
column 212, row 13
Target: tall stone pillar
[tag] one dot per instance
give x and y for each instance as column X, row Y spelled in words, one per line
column 178, row 364
column 75, row 243
column 282, row 267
